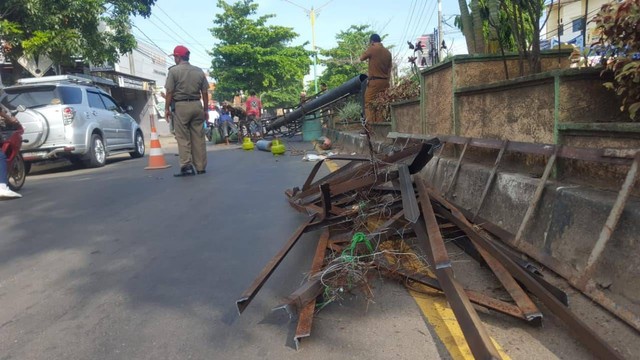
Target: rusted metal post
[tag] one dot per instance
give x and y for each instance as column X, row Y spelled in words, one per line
column 305, row 317
column 455, row 172
column 612, row 221
column 536, row 196
column 491, row 176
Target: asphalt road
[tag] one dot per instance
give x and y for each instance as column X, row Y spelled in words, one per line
column 123, row 263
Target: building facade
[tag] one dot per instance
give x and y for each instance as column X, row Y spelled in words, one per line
column 569, row 21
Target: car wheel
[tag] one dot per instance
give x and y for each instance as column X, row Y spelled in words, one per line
column 139, row 146
column 17, row 173
column 97, row 155
column 27, row 168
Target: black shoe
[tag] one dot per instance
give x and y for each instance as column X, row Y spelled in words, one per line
column 200, row 172
column 187, row 170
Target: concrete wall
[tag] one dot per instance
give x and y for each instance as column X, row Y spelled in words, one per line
column 405, row 116
column 437, row 96
column 517, row 113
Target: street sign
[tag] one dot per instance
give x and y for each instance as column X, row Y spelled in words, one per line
column 37, row 66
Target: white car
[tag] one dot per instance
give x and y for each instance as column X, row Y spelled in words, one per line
column 71, row 118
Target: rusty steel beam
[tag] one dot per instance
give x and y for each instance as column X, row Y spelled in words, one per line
column 474, row 296
column 367, row 181
column 529, row 309
column 409, row 201
column 310, row 192
column 266, row 272
column 596, row 345
column 305, row 317
column 474, row 332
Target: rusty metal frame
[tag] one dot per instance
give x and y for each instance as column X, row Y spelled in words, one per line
column 612, row 221
column 580, row 280
column 567, row 152
column 266, row 272
column 589, row 339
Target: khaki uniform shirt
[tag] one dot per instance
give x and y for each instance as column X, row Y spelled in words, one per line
column 379, row 61
column 186, row 81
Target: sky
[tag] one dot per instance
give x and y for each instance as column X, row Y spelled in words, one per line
column 188, row 22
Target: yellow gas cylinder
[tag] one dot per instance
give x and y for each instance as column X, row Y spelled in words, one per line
column 277, row 147
column 247, row 144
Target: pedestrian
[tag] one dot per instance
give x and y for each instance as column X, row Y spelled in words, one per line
column 187, row 87
column 253, row 107
column 225, row 122
column 5, row 192
column 379, row 72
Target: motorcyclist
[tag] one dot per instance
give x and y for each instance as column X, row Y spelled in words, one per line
column 5, row 192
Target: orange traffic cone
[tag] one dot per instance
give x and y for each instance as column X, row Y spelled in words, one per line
column 156, row 157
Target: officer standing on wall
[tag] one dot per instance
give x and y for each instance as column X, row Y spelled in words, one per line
column 379, row 73
column 186, row 85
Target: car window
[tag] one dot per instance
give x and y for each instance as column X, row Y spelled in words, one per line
column 94, row 100
column 70, row 95
column 30, row 97
column 110, row 103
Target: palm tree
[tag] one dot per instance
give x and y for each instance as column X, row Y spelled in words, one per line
column 467, row 26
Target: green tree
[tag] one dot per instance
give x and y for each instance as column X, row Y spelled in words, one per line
column 65, row 30
column 507, row 24
column 343, row 61
column 252, row 55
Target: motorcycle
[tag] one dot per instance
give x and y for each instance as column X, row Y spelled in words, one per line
column 11, row 144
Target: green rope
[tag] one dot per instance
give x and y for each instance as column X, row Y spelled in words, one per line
column 359, row 237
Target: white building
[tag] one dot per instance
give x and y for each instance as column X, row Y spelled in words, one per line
column 140, row 76
column 566, row 22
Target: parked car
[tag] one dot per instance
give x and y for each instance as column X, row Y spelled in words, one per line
column 68, row 117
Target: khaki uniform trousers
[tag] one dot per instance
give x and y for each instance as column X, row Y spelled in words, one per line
column 189, row 127
column 374, row 87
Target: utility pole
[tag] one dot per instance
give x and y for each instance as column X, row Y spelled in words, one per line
column 439, row 44
column 312, row 14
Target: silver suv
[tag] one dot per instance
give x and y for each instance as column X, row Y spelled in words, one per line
column 68, row 117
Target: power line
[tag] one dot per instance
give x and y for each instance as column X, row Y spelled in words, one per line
column 159, row 48
column 172, row 37
column 406, row 26
column 181, row 28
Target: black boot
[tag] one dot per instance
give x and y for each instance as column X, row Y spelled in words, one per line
column 187, row 170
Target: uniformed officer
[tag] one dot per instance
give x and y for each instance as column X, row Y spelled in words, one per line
column 186, row 85
column 379, row 72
